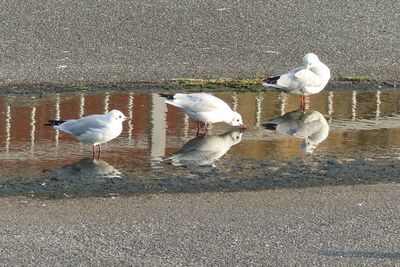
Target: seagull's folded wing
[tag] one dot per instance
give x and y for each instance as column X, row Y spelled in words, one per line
column 307, row 78
column 308, row 129
column 200, row 102
column 81, row 126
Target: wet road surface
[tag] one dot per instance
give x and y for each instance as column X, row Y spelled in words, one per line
column 353, row 140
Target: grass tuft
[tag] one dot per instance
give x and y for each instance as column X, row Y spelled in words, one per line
column 80, row 88
column 219, row 82
column 352, row 79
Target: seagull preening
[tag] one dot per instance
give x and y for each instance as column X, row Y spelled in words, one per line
column 309, row 125
column 204, row 108
column 306, row 80
column 94, row 129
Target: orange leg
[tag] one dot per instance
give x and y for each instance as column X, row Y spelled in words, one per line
column 303, row 102
column 198, row 128
column 94, row 151
column 98, row 156
column 201, row 125
column 205, row 127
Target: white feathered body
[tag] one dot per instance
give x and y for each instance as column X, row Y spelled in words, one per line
column 305, row 80
column 93, row 129
column 205, row 108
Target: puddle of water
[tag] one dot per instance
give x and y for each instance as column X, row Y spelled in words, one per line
column 354, row 137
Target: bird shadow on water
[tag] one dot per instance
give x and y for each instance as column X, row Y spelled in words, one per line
column 88, row 168
column 360, row 254
column 85, row 177
column 204, row 150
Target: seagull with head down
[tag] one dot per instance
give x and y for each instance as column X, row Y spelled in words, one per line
column 205, row 108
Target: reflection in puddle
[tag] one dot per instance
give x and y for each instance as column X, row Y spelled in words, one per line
column 311, row 126
column 205, row 150
column 88, row 168
column 364, row 129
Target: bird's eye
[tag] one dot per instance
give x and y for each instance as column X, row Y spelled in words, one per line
column 120, row 116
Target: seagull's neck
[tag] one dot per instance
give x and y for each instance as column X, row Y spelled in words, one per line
column 229, row 118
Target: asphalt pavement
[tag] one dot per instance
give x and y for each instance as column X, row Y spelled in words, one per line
column 122, row 42
column 320, row 226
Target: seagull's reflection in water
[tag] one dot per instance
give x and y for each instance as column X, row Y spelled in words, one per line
column 205, row 150
column 309, row 125
column 87, row 167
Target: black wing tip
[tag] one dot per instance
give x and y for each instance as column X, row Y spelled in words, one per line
column 167, row 96
column 53, row 123
column 272, row 80
column 270, row 126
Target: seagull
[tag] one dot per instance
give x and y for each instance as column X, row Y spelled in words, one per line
column 309, row 125
column 94, row 129
column 204, row 150
column 311, row 78
column 205, row 108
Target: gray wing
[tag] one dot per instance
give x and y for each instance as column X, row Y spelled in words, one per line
column 308, row 129
column 198, row 151
column 300, row 78
column 309, row 78
column 198, row 102
column 82, row 125
column 290, row 116
column 298, row 123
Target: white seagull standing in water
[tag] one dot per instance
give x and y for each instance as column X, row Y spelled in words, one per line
column 205, row 108
column 94, row 129
column 305, row 80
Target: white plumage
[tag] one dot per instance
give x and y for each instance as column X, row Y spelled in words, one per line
column 205, row 108
column 94, row 129
column 311, row 78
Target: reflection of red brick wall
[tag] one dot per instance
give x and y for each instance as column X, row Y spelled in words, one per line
column 20, row 123
column 174, row 120
column 136, row 151
column 3, row 105
column 141, row 114
column 21, row 110
column 94, row 104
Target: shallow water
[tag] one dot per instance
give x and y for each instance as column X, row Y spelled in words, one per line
column 359, row 143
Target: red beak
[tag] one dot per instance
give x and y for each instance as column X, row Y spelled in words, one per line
column 242, row 126
column 126, row 118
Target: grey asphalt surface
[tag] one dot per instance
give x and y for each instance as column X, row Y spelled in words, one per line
column 121, row 42
column 321, row 226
